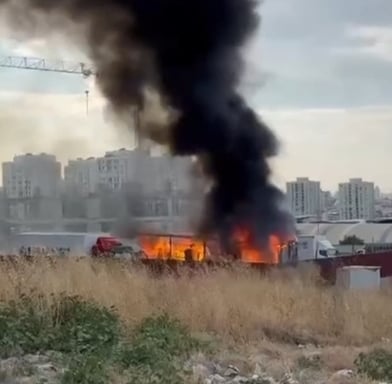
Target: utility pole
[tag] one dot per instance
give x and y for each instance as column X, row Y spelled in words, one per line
column 87, row 100
column 136, row 115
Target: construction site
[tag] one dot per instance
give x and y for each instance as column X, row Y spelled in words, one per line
column 144, row 234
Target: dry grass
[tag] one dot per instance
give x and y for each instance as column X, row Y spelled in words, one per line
column 241, row 305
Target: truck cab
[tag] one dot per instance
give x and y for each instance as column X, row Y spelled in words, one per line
column 307, row 247
column 311, row 247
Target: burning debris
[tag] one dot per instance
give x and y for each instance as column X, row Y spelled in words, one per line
column 252, row 255
column 189, row 249
column 188, row 54
column 177, row 248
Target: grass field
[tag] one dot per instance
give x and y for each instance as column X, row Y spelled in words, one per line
column 235, row 306
column 111, row 322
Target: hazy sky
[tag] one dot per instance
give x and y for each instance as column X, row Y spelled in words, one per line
column 327, row 94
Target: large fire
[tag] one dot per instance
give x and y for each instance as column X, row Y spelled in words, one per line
column 161, row 247
column 172, row 247
column 251, row 255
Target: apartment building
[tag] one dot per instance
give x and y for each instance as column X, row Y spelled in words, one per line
column 29, row 176
column 82, row 176
column 304, row 197
column 356, row 200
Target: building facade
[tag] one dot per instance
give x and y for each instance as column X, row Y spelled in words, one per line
column 82, row 176
column 121, row 184
column 304, row 197
column 120, row 169
column 32, row 187
column 117, row 169
column 32, row 176
column 356, row 200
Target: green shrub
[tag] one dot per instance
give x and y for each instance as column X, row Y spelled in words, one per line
column 171, row 374
column 156, row 340
column 24, row 328
column 83, row 327
column 71, row 324
column 86, row 369
column 92, row 341
column 157, row 350
column 376, row 364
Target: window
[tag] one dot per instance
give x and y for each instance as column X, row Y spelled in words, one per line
column 109, row 165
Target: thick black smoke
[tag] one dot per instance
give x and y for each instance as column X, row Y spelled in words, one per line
column 190, row 52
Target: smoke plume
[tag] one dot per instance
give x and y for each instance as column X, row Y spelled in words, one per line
column 188, row 52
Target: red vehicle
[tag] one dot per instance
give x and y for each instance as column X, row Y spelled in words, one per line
column 63, row 243
column 105, row 245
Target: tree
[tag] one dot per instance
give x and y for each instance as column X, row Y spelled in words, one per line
column 352, row 240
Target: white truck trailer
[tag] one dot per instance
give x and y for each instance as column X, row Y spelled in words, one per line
column 308, row 247
column 81, row 244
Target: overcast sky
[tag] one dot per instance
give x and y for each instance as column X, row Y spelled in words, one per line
column 327, row 94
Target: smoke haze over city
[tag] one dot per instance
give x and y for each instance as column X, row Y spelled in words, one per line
column 190, row 57
column 327, row 84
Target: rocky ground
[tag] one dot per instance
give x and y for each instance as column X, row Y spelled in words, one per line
column 271, row 364
column 32, row 369
column 282, row 364
column 72, row 340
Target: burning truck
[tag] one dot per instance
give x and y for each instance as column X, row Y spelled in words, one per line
column 185, row 247
column 178, row 248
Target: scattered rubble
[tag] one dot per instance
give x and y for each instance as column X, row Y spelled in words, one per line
column 240, row 379
column 31, row 369
column 217, row 373
column 47, row 368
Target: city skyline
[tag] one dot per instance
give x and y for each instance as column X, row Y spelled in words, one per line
column 96, row 193
column 326, row 93
column 110, row 152
column 355, row 200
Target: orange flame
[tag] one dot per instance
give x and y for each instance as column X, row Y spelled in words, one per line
column 251, row 255
column 171, row 248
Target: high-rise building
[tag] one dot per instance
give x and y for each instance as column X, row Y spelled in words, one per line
column 304, row 197
column 32, row 186
column 32, row 176
column 81, row 176
column 356, row 200
column 117, row 169
column 327, row 201
column 377, row 193
column 168, row 173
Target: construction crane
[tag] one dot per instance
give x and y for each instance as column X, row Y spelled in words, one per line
column 59, row 66
column 39, row 64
